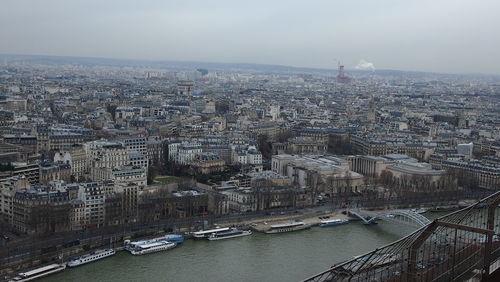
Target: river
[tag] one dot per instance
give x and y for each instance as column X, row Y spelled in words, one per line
column 260, row 257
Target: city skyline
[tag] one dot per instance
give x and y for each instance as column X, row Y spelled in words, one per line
column 444, row 37
column 358, row 140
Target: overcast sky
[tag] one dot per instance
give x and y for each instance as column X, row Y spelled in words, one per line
column 457, row 36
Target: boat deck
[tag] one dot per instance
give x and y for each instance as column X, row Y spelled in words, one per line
column 313, row 221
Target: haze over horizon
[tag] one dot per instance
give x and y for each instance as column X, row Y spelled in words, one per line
column 446, row 36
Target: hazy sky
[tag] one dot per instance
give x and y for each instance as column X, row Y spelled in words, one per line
column 427, row 35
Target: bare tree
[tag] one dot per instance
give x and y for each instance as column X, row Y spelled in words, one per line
column 265, row 146
column 285, row 135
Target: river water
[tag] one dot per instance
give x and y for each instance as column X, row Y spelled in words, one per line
column 289, row 256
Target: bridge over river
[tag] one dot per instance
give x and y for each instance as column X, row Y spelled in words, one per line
column 406, row 217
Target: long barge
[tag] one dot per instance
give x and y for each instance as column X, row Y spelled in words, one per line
column 287, row 227
column 39, row 272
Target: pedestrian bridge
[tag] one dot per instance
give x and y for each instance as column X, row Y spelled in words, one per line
column 405, row 217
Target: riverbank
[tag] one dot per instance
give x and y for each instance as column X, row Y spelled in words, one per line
column 289, row 256
column 259, row 222
column 310, row 216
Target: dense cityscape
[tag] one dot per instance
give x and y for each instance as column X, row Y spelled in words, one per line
column 92, row 146
column 214, row 141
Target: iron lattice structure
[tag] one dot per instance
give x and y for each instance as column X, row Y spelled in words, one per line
column 458, row 246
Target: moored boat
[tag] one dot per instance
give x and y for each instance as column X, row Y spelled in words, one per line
column 232, row 233
column 153, row 245
column 175, row 238
column 420, row 210
column 97, row 255
column 204, row 234
column 150, row 247
column 444, row 208
column 39, row 272
column 333, row 222
column 287, row 227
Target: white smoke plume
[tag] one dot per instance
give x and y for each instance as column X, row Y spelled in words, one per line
column 364, row 65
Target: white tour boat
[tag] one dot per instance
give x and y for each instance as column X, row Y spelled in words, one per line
column 233, row 233
column 204, row 234
column 97, row 255
column 147, row 247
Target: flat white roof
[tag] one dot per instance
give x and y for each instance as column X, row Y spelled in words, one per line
column 150, row 245
column 211, row 231
column 41, row 269
column 287, row 224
